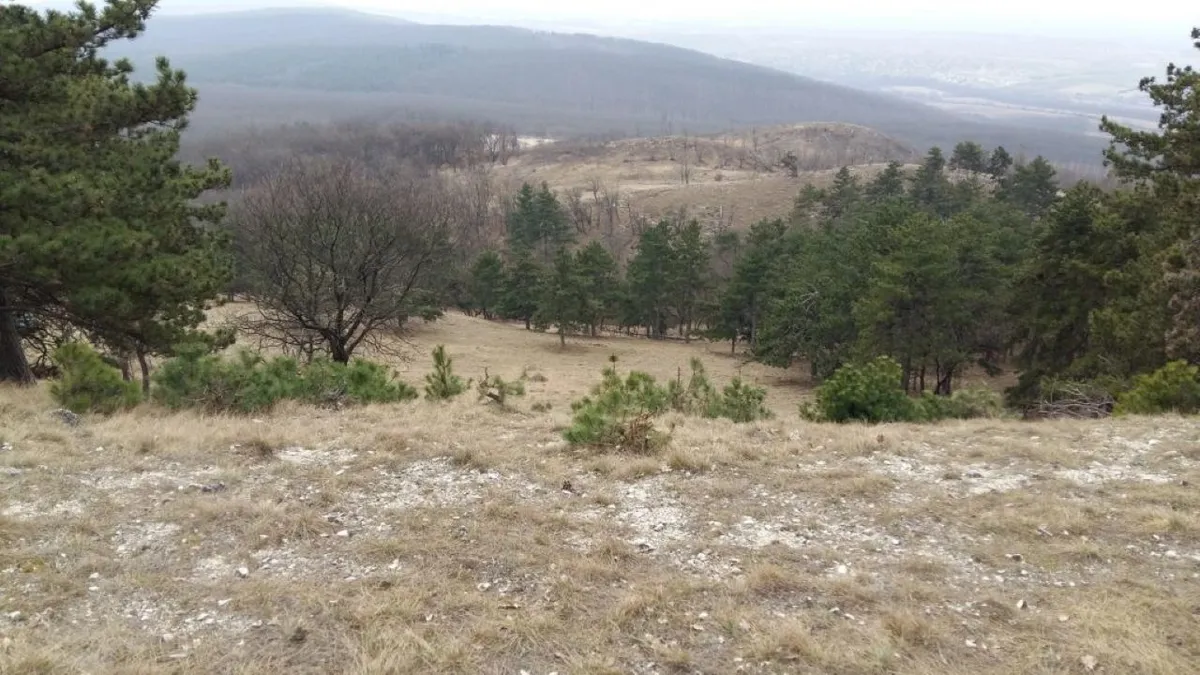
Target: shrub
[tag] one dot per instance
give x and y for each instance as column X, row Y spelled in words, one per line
column 249, row 383
column 619, row 413
column 495, row 388
column 737, row 401
column 741, row 403
column 360, row 382
column 1173, row 388
column 964, row 404
column 868, row 392
column 442, row 384
column 88, row 384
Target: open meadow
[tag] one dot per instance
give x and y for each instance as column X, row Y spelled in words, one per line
column 467, row 538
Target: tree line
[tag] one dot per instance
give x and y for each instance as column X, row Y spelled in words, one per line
column 979, row 260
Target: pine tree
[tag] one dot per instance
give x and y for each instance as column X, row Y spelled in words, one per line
column 968, row 156
column 888, row 184
column 843, row 195
column 98, row 222
column 999, row 163
column 929, row 184
column 1167, row 161
column 538, row 224
column 601, row 278
column 564, row 299
column 486, row 285
column 744, row 298
column 522, row 289
column 690, row 258
column 1031, row 187
column 649, row 280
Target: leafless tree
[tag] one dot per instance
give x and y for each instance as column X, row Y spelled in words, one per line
column 335, row 254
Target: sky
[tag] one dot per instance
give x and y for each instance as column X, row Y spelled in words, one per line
column 1170, row 19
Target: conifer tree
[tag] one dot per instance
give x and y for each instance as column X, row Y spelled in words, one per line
column 601, row 279
column 689, row 275
column 1167, row 161
column 999, row 163
column 538, row 224
column 649, row 280
column 1031, row 187
column 98, row 223
column 564, row 299
column 522, row 289
column 486, row 285
column 968, row 156
column 888, row 184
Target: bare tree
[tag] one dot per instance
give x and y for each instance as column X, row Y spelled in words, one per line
column 334, row 254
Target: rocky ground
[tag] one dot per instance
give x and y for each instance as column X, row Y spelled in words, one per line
column 465, row 538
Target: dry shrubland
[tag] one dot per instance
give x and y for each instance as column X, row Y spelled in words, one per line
column 464, row 537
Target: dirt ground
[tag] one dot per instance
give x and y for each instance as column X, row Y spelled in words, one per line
column 467, row 538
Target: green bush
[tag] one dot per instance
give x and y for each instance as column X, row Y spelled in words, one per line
column 442, row 384
column 87, row 384
column 737, row 401
column 867, row 392
column 964, row 404
column 740, row 402
column 1173, row 388
column 249, row 383
column 619, row 413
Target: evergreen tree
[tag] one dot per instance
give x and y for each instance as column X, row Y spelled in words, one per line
column 1031, row 187
column 888, row 184
column 486, row 285
column 968, row 156
column 1063, row 286
column 538, row 224
column 1167, row 162
column 564, row 299
column 928, row 298
column 690, row 259
column 98, row 220
column 999, row 163
column 522, row 289
column 744, row 298
column 929, row 184
column 601, row 278
column 649, row 280
column 844, row 194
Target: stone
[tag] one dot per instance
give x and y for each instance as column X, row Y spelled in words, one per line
column 66, row 417
column 243, row 572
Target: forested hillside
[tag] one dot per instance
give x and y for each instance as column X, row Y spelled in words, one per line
column 270, row 67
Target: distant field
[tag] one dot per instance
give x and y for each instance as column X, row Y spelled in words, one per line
column 465, row 538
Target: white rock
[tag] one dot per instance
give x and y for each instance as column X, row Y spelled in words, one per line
column 243, row 572
column 843, row 570
column 343, row 533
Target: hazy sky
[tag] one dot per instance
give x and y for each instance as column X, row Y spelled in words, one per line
column 1167, row 18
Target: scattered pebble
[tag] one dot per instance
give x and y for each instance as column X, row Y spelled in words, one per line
column 243, row 572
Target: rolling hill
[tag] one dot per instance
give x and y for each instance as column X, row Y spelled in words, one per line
column 275, row 66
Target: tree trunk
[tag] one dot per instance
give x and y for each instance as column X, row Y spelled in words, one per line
column 562, row 336
column 527, row 323
column 733, row 345
column 338, row 351
column 14, row 366
column 144, row 362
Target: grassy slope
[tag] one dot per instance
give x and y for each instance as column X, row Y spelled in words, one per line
column 439, row 538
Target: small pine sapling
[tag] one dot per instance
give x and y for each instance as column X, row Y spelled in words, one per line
column 442, row 384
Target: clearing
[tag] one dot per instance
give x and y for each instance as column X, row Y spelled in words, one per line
column 465, row 538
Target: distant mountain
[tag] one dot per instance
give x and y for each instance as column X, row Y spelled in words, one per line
column 292, row 65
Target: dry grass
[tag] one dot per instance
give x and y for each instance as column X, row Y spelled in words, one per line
column 458, row 538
